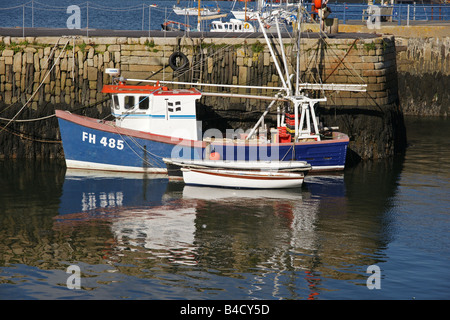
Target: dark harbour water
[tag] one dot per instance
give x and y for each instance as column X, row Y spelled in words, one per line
column 156, row 239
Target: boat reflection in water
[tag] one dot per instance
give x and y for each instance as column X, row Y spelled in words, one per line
column 88, row 191
column 152, row 221
column 139, row 214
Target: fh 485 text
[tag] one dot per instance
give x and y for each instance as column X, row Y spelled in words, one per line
column 106, row 142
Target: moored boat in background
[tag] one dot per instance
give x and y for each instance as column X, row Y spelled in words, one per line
column 175, row 26
column 201, row 11
column 234, row 25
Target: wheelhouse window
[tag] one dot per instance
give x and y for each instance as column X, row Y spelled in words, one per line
column 173, row 107
column 116, row 101
column 143, row 102
column 129, row 102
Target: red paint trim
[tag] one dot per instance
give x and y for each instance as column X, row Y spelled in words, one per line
column 253, row 177
column 148, row 89
column 121, row 88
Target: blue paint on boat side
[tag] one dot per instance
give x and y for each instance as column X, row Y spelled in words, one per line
column 90, row 145
column 96, row 146
column 331, row 154
column 321, row 155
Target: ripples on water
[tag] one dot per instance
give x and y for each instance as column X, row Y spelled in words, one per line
column 149, row 238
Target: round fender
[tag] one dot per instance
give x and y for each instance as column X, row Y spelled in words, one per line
column 178, row 60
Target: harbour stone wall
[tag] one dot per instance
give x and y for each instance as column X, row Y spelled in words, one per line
column 41, row 74
column 423, row 65
column 424, row 74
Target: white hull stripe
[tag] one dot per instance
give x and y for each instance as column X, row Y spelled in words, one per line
column 74, row 164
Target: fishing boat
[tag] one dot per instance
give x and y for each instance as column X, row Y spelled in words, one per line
column 175, row 26
column 234, row 25
column 242, row 179
column 265, row 10
column 153, row 122
column 203, row 13
column 193, row 11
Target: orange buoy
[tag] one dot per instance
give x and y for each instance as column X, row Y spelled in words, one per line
column 214, row 156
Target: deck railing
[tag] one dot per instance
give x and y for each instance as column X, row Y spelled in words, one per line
column 400, row 13
column 35, row 13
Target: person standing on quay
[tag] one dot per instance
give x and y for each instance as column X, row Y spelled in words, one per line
column 323, row 11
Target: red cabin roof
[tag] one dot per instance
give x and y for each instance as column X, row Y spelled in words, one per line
column 147, row 89
column 123, row 88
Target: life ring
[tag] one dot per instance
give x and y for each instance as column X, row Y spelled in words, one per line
column 246, row 25
column 214, row 156
column 178, row 60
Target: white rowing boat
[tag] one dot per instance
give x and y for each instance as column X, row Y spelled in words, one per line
column 240, row 174
column 259, row 165
column 245, row 179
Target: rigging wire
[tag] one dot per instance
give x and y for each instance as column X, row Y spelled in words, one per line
column 23, row 135
column 215, row 55
column 37, row 89
column 153, row 163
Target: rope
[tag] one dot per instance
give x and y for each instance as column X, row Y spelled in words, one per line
column 46, row 65
column 341, row 60
column 214, row 55
column 15, row 7
column 53, row 115
column 23, row 135
column 324, row 37
column 153, row 164
column 29, row 120
column 37, row 89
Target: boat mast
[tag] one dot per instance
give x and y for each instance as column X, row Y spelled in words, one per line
column 198, row 20
column 245, row 12
column 275, row 60
column 283, row 55
column 299, row 101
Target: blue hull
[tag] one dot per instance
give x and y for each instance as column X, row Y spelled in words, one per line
column 91, row 144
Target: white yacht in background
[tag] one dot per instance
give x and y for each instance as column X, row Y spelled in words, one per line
column 234, row 25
